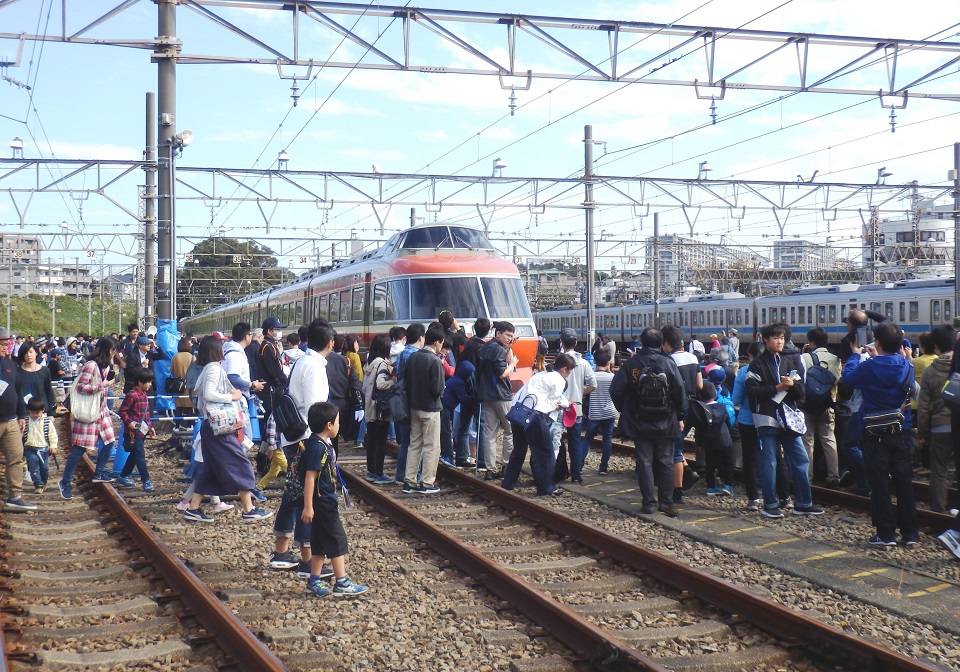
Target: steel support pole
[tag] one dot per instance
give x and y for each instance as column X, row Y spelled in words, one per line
column 588, row 206
column 9, row 285
column 956, row 226
column 150, row 212
column 656, row 271
column 165, row 55
column 103, row 318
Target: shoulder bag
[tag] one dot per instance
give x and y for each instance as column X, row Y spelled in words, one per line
column 522, row 414
column 85, row 407
column 286, row 413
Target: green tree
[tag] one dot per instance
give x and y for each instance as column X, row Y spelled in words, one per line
column 222, row 270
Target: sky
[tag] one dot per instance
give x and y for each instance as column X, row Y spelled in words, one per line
column 87, row 101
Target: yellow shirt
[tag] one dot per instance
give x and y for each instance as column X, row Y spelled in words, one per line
column 33, row 436
column 919, row 364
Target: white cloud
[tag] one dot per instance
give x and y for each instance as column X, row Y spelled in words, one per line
column 78, row 150
column 437, row 134
column 373, row 155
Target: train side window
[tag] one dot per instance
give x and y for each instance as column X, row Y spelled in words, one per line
column 935, row 311
column 875, row 306
column 324, row 307
column 382, row 309
column 793, row 315
column 946, row 311
column 763, row 314
column 334, row 307
column 914, row 307
column 832, row 310
column 903, row 312
column 821, row 314
column 843, row 313
column 358, row 304
column 888, row 309
column 746, row 316
column 345, row 304
column 809, row 314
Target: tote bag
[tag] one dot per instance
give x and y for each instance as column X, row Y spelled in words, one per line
column 85, row 407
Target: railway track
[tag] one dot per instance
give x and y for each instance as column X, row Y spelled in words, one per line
column 87, row 584
column 609, row 601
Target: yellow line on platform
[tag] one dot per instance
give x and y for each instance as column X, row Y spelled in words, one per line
column 932, row 589
column 782, row 541
column 745, row 529
column 823, row 556
column 707, row 520
column 623, row 492
column 871, row 572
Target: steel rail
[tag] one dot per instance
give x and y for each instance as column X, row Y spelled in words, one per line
column 586, row 640
column 793, row 629
column 246, row 651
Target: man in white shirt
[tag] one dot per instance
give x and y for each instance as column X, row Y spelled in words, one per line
column 308, row 379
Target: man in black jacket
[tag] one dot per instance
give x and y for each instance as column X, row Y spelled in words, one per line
column 654, row 428
column 424, row 381
column 13, row 414
column 270, row 370
column 470, row 411
column 495, row 363
column 775, row 388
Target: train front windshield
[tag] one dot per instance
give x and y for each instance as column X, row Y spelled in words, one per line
column 422, row 299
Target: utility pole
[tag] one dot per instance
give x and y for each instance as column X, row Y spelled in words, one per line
column 874, row 220
column 656, row 271
column 956, row 225
column 150, row 213
column 165, row 54
column 53, row 313
column 103, row 326
column 76, row 278
column 589, row 205
column 9, row 285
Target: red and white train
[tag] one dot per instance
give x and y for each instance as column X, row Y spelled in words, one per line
column 412, row 277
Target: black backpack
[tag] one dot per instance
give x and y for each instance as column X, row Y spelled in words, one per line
column 652, row 394
column 287, row 415
column 710, row 423
column 819, row 383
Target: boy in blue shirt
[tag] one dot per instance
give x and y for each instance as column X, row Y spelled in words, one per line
column 320, row 503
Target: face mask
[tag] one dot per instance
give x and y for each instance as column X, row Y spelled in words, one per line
column 278, row 334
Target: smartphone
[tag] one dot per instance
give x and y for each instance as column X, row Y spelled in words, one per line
column 862, row 336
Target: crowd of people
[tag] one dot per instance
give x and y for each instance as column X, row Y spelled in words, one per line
column 871, row 412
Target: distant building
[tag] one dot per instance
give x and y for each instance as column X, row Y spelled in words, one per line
column 921, row 243
column 122, row 286
column 22, row 273
column 803, row 255
column 680, row 257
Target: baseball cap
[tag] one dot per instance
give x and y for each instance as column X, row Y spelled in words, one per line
column 57, row 352
column 713, row 336
column 220, row 335
column 567, row 334
column 273, row 323
column 716, row 375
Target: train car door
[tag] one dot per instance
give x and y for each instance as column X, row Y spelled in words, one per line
column 367, row 304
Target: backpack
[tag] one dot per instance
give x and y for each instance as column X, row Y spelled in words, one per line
column 819, row 384
column 710, row 423
column 287, row 415
column 653, row 394
column 293, row 486
column 46, row 429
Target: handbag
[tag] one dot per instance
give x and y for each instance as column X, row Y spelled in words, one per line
column 224, row 417
column 175, row 385
column 791, row 420
column 882, row 423
column 381, row 398
column 286, row 413
column 521, row 414
column 399, row 406
column 950, row 393
column 85, row 407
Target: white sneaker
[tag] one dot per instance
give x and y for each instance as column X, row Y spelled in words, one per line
column 220, row 507
column 951, row 539
column 183, row 504
column 953, row 512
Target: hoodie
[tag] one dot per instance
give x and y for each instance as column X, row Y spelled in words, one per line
column 237, row 366
column 887, row 383
column 931, row 411
column 458, row 388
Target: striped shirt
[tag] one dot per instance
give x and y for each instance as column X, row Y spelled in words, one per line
column 601, row 406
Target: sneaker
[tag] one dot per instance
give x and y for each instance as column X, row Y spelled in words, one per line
column 951, row 539
column 287, row 560
column 463, row 463
column 303, row 569
column 221, row 506
column 430, row 489
column 258, row 495
column 382, row 480
column 326, row 572
column 833, row 483
column 17, row 504
column 911, row 542
column 875, row 540
column 811, row 510
column 184, row 505
column 256, row 513
column 64, row 490
column 317, row 588
column 370, row 477
column 557, row 492
column 679, row 498
column 775, row 512
column 953, row 512
column 846, row 479
column 346, row 588
column 602, row 472
column 196, row 516
column 728, row 490
column 786, row 503
column 149, row 487
column 714, row 492
column 413, row 489
column 447, row 461
column 102, row 477
column 38, row 489
column 753, row 505
column 125, row 482
column 492, row 475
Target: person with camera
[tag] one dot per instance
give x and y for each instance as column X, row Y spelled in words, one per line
column 888, row 384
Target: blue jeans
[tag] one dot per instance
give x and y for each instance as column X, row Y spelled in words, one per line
column 446, row 434
column 403, row 442
column 543, row 461
column 77, row 452
column 850, row 450
column 288, row 521
column 771, row 441
column 605, row 427
column 467, row 428
column 37, row 464
column 578, row 447
column 889, row 461
column 137, row 459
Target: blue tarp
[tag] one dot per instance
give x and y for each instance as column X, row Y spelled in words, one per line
column 167, row 339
